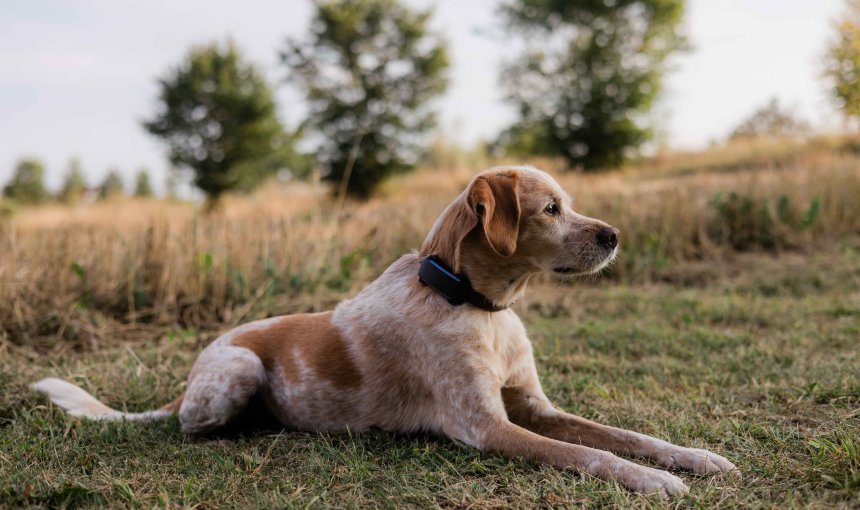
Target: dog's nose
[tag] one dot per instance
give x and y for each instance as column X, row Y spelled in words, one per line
column 608, row 237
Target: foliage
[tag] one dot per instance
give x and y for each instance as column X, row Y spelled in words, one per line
column 111, row 186
column 842, row 61
column 368, row 71
column 771, row 121
column 218, row 118
column 27, row 185
column 588, row 73
column 142, row 187
column 7, row 210
column 743, row 221
column 74, row 185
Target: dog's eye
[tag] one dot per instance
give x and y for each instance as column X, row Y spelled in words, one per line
column 552, row 209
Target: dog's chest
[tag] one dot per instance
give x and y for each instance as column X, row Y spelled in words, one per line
column 500, row 345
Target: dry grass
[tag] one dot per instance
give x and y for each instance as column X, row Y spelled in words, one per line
column 67, row 272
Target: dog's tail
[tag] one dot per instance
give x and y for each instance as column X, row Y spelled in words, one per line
column 78, row 402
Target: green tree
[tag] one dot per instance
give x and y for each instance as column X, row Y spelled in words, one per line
column 74, row 184
column 771, row 121
column 218, row 118
column 111, row 186
column 588, row 73
column 142, row 187
column 842, row 61
column 368, row 70
column 27, row 185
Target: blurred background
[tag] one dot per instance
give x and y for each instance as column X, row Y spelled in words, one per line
column 174, row 163
column 80, row 77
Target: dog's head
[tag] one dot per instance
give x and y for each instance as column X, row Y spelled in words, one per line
column 518, row 219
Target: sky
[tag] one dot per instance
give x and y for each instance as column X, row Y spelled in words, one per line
column 78, row 76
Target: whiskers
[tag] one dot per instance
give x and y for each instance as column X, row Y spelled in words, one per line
column 592, row 275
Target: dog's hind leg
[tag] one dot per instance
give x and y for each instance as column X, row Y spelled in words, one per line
column 221, row 384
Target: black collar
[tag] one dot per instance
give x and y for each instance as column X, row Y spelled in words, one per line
column 454, row 287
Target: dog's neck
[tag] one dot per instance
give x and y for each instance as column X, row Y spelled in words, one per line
column 502, row 279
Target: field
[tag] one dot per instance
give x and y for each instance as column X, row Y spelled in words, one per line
column 731, row 322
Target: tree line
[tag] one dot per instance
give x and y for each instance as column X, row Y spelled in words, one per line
column 27, row 185
column 582, row 75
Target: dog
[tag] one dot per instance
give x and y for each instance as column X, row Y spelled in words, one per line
column 432, row 346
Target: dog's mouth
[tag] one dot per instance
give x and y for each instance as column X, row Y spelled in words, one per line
column 595, row 267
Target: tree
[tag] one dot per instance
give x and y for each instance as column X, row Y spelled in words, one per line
column 771, row 121
column 842, row 61
column 27, row 186
column 74, row 185
column 588, row 73
column 111, row 186
column 218, row 118
column 142, row 187
column 368, row 71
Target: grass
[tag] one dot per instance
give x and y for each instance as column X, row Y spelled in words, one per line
column 760, row 365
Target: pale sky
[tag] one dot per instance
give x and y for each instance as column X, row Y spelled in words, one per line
column 79, row 75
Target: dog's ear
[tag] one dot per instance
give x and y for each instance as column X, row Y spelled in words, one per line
column 495, row 198
column 493, row 201
column 451, row 228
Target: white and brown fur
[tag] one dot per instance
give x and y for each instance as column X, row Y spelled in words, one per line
column 399, row 357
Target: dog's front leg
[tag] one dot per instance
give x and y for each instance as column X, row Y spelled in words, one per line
column 533, row 411
column 497, row 434
column 481, row 421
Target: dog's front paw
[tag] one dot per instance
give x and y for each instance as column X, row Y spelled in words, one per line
column 700, row 462
column 645, row 480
